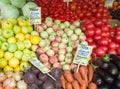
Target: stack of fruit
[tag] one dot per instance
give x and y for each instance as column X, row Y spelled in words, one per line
column 77, row 10
column 59, row 42
column 17, row 43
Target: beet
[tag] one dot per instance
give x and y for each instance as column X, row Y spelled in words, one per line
column 56, row 73
column 58, row 84
column 38, row 82
column 35, row 70
column 29, row 77
column 48, row 85
column 42, row 77
column 33, row 86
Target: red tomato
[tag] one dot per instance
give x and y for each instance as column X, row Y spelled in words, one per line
column 105, row 48
column 117, row 32
column 97, row 31
column 100, row 52
column 112, row 45
column 83, row 27
column 117, row 27
column 89, row 32
column 117, row 38
column 90, row 26
column 93, row 45
column 118, row 50
column 103, row 42
column 98, row 22
column 97, row 37
column 104, row 28
column 89, row 39
column 112, row 51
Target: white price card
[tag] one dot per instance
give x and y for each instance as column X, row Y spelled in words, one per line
column 109, row 3
column 35, row 15
column 39, row 65
column 68, row 0
column 83, row 54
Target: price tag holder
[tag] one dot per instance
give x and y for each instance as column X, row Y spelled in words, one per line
column 39, row 65
column 68, row 1
column 35, row 15
column 83, row 54
column 109, row 3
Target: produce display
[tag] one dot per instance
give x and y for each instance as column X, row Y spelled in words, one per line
column 102, row 36
column 115, row 14
column 18, row 42
column 77, row 10
column 59, row 42
column 10, row 80
column 107, row 74
column 37, row 80
column 81, row 79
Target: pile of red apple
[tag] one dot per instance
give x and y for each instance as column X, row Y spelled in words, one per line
column 59, row 42
column 77, row 10
column 103, row 37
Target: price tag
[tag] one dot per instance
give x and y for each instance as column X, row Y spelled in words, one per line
column 39, row 65
column 109, row 3
column 35, row 15
column 68, row 0
column 82, row 55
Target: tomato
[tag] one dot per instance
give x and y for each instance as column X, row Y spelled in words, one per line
column 105, row 48
column 104, row 28
column 117, row 27
column 83, row 27
column 94, row 45
column 112, row 45
column 105, row 34
column 117, row 38
column 89, row 39
column 98, row 15
column 89, row 32
column 97, row 31
column 112, row 51
column 118, row 50
column 103, row 42
column 90, row 26
column 98, row 22
column 100, row 52
column 97, row 37
column 117, row 32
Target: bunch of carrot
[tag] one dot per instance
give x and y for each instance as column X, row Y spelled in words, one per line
column 78, row 80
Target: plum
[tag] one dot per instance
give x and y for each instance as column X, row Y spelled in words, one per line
column 33, row 86
column 48, row 85
column 56, row 73
column 58, row 84
column 29, row 77
column 35, row 70
column 38, row 81
column 42, row 77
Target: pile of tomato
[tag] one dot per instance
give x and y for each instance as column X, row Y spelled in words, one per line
column 104, row 38
column 77, row 10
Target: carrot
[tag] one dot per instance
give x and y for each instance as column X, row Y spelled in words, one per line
column 63, row 81
column 69, row 86
column 75, row 84
column 90, row 73
column 92, row 86
column 83, row 86
column 78, row 77
column 83, row 72
column 68, row 75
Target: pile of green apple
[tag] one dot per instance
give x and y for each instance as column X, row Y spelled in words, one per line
column 16, row 46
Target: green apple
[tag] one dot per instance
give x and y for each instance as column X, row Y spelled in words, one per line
column 24, row 66
column 8, row 55
column 30, row 29
column 3, row 62
column 14, row 62
column 6, row 24
column 12, row 20
column 24, row 29
column 12, row 47
column 34, row 33
column 16, row 29
column 25, row 57
column 4, row 46
column 26, row 51
column 18, row 54
column 33, row 54
column 1, row 53
column 22, row 21
column 27, row 43
column 2, row 39
column 7, row 33
column 8, row 69
column 0, row 43
column 20, row 45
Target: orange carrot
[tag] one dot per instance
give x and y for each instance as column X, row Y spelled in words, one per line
column 92, row 86
column 78, row 77
column 83, row 87
column 68, row 75
column 69, row 86
column 63, row 81
column 75, row 84
column 90, row 73
column 83, row 72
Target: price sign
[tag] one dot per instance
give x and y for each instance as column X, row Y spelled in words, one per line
column 39, row 65
column 35, row 15
column 82, row 55
column 109, row 3
column 67, row 1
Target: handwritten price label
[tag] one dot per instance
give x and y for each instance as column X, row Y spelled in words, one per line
column 82, row 55
column 109, row 3
column 68, row 0
column 39, row 65
column 35, row 15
